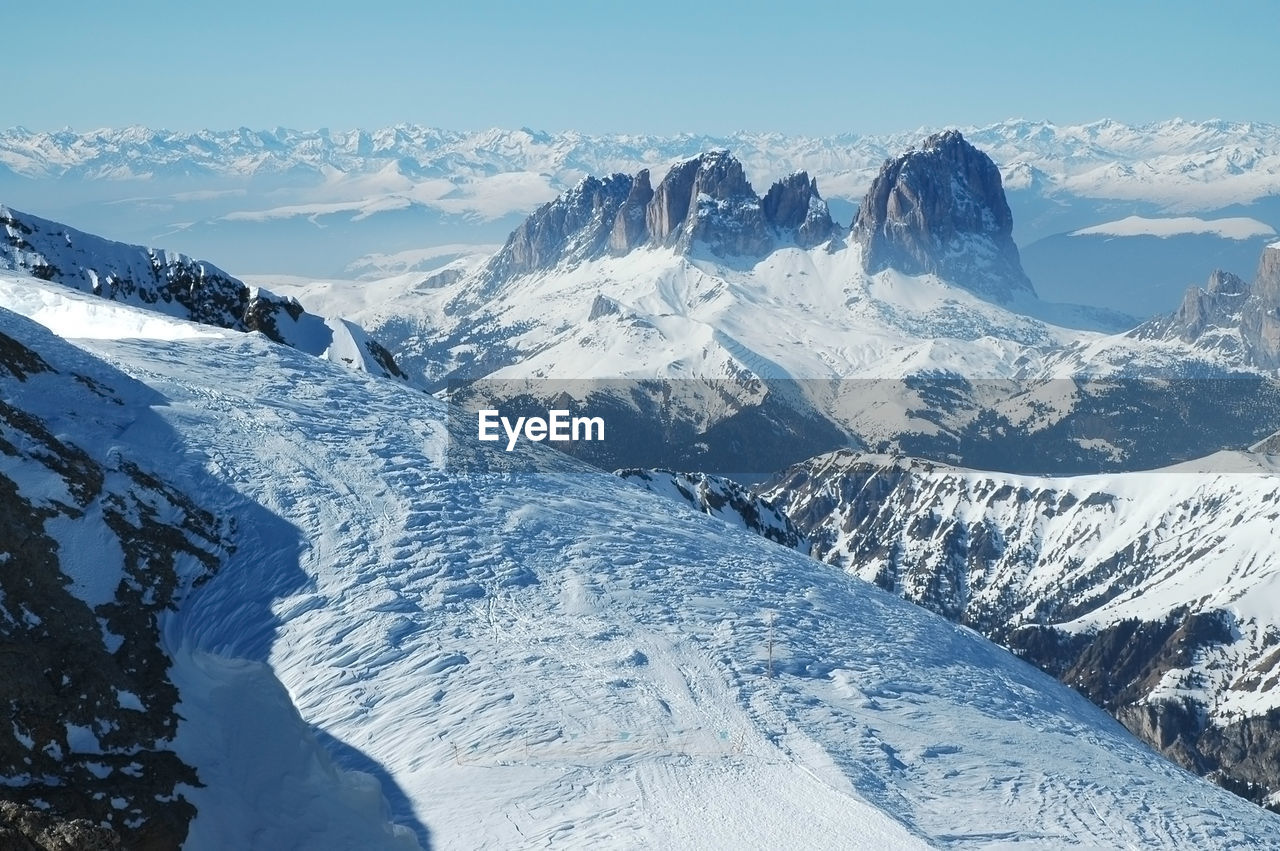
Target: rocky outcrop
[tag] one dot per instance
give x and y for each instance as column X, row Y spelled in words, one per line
column 86, row 751
column 724, row 211
column 670, row 204
column 1237, row 322
column 941, row 210
column 575, row 226
column 703, row 203
column 630, row 229
column 793, row 206
column 24, row 828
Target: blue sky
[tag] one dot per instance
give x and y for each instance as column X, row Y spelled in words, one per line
column 660, row 67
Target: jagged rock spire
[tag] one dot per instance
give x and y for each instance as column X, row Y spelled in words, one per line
column 705, row 201
column 941, row 210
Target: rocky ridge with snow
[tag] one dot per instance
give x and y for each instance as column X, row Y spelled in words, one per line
column 176, row 285
column 95, row 547
column 705, row 201
column 1150, row 593
column 1235, row 320
column 722, row 498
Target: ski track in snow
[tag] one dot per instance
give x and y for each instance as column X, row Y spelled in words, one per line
column 562, row 659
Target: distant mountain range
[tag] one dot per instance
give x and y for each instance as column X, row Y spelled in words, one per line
column 313, row 202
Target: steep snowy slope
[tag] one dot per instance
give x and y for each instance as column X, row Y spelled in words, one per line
column 98, row 548
column 1154, row 593
column 562, row 657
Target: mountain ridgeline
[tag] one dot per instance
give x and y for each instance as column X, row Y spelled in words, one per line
column 705, row 200
column 939, row 210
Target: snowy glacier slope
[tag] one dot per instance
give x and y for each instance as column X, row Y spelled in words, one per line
column 564, row 658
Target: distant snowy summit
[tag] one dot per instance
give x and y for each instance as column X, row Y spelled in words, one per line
column 181, row 287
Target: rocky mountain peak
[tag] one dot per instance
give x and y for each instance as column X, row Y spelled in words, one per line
column 1226, row 283
column 629, row 226
column 1266, row 283
column 1229, row 317
column 794, row 205
column 941, row 209
column 703, row 202
column 575, row 226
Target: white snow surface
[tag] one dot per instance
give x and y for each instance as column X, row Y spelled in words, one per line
column 1237, row 227
column 565, row 659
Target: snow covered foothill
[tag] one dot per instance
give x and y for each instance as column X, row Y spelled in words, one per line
column 564, row 658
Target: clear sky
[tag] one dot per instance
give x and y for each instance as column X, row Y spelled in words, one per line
column 803, row 67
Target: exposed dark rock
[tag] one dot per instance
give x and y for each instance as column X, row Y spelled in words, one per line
column 724, row 211
column 671, row 202
column 383, row 358
column 941, row 210
column 724, row 498
column 24, row 828
column 91, row 708
column 630, row 229
column 603, row 306
column 793, row 206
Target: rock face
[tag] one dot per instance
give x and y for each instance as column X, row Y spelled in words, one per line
column 794, row 205
column 167, row 282
column 91, row 712
column 574, row 226
column 629, row 227
column 1055, row 570
column 941, row 210
column 724, row 212
column 702, row 203
column 1237, row 321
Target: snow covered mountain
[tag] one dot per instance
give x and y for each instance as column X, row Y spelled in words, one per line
column 1152, row 593
column 330, row 197
column 704, row 287
column 178, row 286
column 392, row 653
